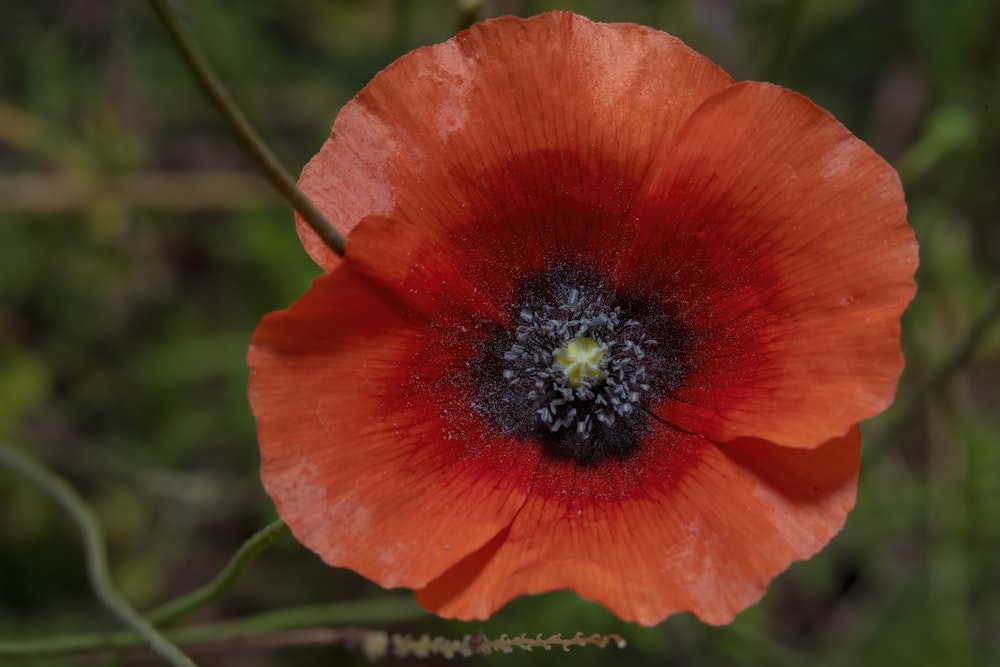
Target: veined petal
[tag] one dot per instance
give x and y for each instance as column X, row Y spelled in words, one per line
column 692, row 527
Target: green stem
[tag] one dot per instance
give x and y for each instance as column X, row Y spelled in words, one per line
column 223, row 581
column 361, row 612
column 251, row 142
column 97, row 560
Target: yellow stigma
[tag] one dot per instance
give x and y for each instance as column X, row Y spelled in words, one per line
column 581, row 358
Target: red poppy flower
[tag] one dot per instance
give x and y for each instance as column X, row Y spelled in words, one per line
column 607, row 321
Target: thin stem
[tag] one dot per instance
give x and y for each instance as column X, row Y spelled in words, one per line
column 251, row 142
column 97, row 560
column 171, row 611
column 380, row 611
column 359, row 612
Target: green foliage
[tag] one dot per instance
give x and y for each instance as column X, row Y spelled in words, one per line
column 126, row 306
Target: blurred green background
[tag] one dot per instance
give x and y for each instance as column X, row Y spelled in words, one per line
column 138, row 250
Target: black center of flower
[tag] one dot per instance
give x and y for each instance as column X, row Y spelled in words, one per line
column 583, row 358
column 580, row 366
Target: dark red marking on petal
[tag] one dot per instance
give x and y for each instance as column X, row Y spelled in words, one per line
column 785, row 237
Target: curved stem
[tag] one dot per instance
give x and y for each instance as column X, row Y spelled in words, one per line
column 223, row 581
column 97, row 560
column 251, row 142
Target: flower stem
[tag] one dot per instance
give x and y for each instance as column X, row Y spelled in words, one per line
column 771, row 651
column 223, row 581
column 97, row 560
column 251, row 142
column 380, row 611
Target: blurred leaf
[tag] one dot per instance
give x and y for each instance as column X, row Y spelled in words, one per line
column 950, row 34
column 24, row 384
column 948, row 130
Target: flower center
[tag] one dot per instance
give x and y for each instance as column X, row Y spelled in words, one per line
column 580, row 366
column 578, row 363
column 582, row 361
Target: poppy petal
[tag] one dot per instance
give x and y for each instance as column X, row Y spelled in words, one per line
column 348, row 393
column 419, row 271
column 430, row 126
column 785, row 238
column 706, row 537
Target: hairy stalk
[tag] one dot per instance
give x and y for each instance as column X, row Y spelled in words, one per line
column 247, row 137
column 97, row 560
